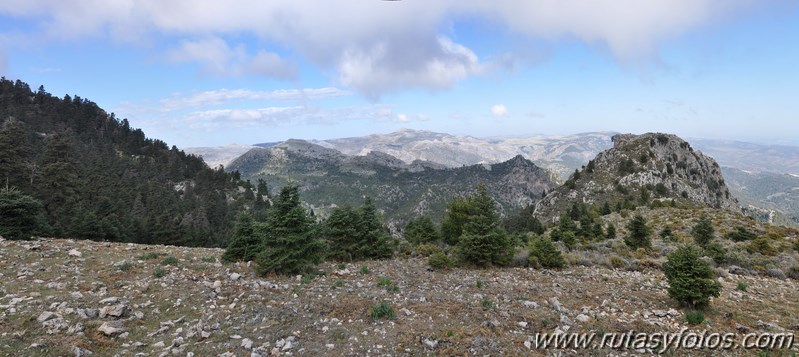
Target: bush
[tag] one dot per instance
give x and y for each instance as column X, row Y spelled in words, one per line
column 421, row 230
column 170, row 261
column 740, row 234
column 616, row 262
column 386, row 283
column 703, row 231
column 793, row 272
column 716, row 252
column 666, row 234
column 638, row 236
column 159, row 273
column 761, row 245
column 383, row 311
column 694, row 317
column 21, row 216
column 569, row 239
column 427, row 249
column 691, row 279
column 742, row 286
column 776, row 273
column 125, row 266
column 487, row 304
column 546, row 253
column 149, row 256
column 440, row 261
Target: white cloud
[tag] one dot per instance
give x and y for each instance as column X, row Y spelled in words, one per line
column 218, row 58
column 388, row 67
column 372, row 46
column 499, row 110
column 220, row 97
column 277, row 116
column 402, row 117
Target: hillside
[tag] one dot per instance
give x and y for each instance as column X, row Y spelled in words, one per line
column 640, row 169
column 99, row 178
column 59, row 295
column 329, row 178
column 775, row 195
column 778, row 159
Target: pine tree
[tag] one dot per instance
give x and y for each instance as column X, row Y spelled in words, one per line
column 247, row 240
column 483, row 243
column 454, row 219
column 375, row 240
column 546, row 253
column 60, row 181
column 340, row 230
column 291, row 245
column 14, row 154
column 703, row 231
column 638, row 236
column 20, row 215
column 611, row 231
column 421, row 230
column 691, row 279
column 605, row 209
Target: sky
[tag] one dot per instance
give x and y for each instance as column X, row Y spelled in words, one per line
column 209, row 73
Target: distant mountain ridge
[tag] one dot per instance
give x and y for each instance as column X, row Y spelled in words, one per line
column 329, row 178
column 559, row 154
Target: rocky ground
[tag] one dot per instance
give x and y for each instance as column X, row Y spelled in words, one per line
column 77, row 298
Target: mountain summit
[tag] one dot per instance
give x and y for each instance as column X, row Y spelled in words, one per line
column 640, row 169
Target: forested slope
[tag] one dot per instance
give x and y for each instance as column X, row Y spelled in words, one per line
column 98, row 178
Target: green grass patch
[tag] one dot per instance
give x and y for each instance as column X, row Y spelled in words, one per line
column 383, row 311
column 149, row 256
column 170, row 261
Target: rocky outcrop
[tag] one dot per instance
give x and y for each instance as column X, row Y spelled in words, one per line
column 640, row 169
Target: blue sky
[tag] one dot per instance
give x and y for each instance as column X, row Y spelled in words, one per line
column 208, row 73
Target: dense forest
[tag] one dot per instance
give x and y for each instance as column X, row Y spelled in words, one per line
column 98, row 178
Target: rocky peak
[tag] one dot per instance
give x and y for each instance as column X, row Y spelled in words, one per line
column 310, row 150
column 640, row 169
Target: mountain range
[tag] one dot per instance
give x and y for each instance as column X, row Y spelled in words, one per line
column 402, row 190
column 763, row 177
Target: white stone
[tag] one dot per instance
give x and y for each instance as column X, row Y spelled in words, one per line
column 432, row 344
column 47, row 315
column 111, row 328
column 530, row 304
column 74, row 253
column 246, row 343
column 110, row 300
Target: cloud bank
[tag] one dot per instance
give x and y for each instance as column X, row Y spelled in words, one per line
column 373, row 47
